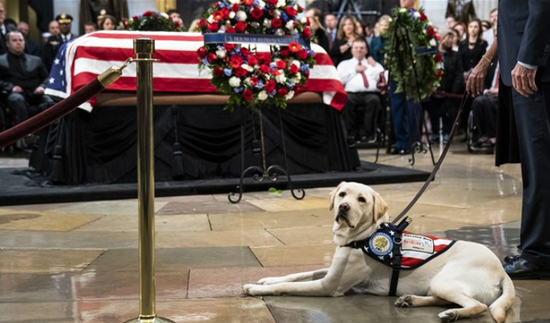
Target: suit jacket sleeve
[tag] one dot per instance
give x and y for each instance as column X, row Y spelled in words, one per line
column 535, row 43
column 458, row 81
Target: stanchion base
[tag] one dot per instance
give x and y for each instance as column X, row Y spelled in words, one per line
column 150, row 320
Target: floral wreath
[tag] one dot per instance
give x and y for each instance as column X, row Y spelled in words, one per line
column 414, row 59
column 249, row 77
column 150, row 21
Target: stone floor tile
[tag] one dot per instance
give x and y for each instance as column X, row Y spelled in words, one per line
column 295, row 255
column 303, row 235
column 38, row 221
column 68, row 240
column 256, row 237
column 210, row 206
column 45, row 261
column 128, row 207
column 290, row 204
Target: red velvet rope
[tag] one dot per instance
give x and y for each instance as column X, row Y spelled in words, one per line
column 51, row 114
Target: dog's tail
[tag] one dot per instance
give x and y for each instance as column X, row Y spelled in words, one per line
column 504, row 302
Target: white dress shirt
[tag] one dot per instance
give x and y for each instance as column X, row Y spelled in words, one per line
column 353, row 81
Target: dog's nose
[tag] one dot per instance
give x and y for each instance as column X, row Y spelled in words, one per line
column 344, row 207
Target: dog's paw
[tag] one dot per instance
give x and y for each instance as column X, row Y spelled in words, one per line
column 270, row 281
column 254, row 290
column 404, row 301
column 448, row 316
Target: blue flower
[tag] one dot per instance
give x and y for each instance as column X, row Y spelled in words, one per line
column 260, row 85
column 205, row 61
column 273, row 66
column 227, row 71
column 238, row 89
column 290, row 83
column 304, row 68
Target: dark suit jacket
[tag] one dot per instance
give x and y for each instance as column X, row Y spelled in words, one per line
column 35, row 74
column 523, row 35
column 453, row 79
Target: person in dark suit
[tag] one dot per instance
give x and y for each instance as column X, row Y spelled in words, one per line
column 3, row 30
column 523, row 134
column 24, row 78
column 54, row 41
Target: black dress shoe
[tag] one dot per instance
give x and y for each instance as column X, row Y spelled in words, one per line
column 519, row 268
column 510, row 258
column 398, row 151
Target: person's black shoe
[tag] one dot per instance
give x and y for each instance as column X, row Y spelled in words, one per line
column 398, row 151
column 510, row 258
column 519, row 268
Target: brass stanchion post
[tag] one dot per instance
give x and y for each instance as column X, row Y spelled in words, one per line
column 144, row 48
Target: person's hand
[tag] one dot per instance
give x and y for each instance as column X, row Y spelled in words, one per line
column 491, row 92
column 371, row 61
column 476, row 79
column 523, row 80
column 39, row 90
column 360, row 68
column 17, row 89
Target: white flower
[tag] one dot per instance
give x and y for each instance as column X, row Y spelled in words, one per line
column 220, row 53
column 210, row 19
column 262, row 96
column 241, row 15
column 247, row 67
column 281, row 78
column 255, row 24
column 303, row 20
column 290, row 24
column 235, row 1
column 402, row 10
column 417, row 14
column 267, row 23
column 234, row 81
column 280, row 32
column 290, row 95
column 247, row 81
column 296, row 78
column 276, row 13
column 433, row 43
column 164, row 15
column 297, row 63
column 261, row 4
column 232, row 14
column 281, row 4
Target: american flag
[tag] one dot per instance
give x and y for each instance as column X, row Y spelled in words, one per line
column 80, row 61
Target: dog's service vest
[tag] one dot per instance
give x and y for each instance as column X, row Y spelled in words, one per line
column 399, row 249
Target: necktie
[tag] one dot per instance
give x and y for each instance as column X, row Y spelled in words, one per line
column 365, row 81
column 330, row 39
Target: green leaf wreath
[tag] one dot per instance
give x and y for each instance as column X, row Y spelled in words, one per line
column 150, row 21
column 410, row 35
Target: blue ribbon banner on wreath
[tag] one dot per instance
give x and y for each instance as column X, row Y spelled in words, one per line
column 253, row 39
column 427, row 50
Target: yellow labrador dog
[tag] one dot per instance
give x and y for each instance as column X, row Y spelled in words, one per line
column 467, row 274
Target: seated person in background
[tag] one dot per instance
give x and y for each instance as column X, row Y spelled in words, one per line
column 361, row 81
column 317, row 30
column 89, row 27
column 24, row 78
column 440, row 105
column 107, row 22
column 484, row 109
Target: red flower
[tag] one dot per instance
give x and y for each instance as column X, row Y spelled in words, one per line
column 235, row 61
column 217, row 15
column 228, row 46
column 422, row 16
column 438, row 58
column 282, row 91
column 294, row 47
column 213, row 27
column 253, row 80
column 302, row 54
column 281, row 65
column 211, row 57
column 203, row 23
column 218, row 71
column 240, row 26
column 240, row 72
column 252, row 60
column 147, row 13
column 438, row 74
column 201, row 52
column 235, row 7
column 265, row 69
column 291, row 12
column 245, row 51
column 270, row 86
column 430, row 31
column 248, row 2
column 247, row 95
column 276, row 23
column 225, row 13
column 177, row 24
column 293, row 69
column 306, row 32
column 229, row 30
column 284, row 52
column 273, row 2
column 256, row 13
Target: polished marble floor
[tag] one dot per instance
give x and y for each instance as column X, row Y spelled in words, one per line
column 78, row 262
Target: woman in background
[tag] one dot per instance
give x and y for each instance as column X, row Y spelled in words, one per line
column 347, row 33
column 378, row 42
column 107, row 22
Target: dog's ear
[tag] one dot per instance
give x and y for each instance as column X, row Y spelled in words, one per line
column 332, row 196
column 380, row 206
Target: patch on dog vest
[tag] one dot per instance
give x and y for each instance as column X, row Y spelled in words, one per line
column 415, row 249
